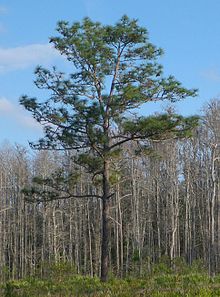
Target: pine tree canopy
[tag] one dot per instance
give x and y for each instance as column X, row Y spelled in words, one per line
column 115, row 71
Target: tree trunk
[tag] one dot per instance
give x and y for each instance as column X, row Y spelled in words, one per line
column 105, row 223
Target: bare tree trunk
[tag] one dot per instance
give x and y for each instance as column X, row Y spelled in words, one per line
column 90, row 241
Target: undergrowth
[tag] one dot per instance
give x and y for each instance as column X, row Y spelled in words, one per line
column 180, row 280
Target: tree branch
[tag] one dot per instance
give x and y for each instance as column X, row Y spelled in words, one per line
column 64, row 197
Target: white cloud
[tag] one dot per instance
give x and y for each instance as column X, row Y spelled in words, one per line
column 14, row 112
column 26, row 56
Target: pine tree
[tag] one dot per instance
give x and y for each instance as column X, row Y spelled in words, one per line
column 115, row 71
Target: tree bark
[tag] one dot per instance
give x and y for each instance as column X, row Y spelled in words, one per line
column 105, row 223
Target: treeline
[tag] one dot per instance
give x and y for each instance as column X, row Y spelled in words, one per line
column 167, row 205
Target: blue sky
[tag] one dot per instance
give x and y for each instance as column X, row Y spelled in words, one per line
column 188, row 31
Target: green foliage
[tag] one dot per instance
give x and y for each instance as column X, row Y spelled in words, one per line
column 169, row 284
column 160, row 126
column 90, row 162
column 116, row 69
column 46, row 189
column 9, row 290
column 58, row 271
column 115, row 177
column 136, row 256
column 161, row 268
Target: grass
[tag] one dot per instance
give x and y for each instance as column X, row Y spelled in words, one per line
column 163, row 281
column 193, row 284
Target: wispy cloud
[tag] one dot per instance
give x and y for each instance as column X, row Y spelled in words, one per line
column 15, row 113
column 212, row 74
column 26, row 56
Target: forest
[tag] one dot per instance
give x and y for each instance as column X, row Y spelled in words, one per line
column 166, row 205
column 109, row 193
